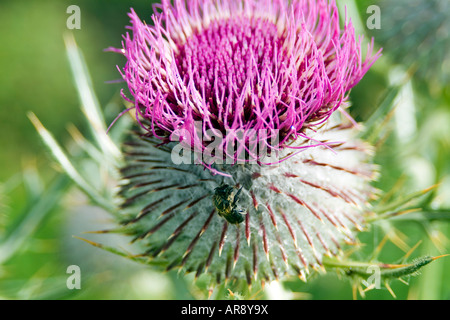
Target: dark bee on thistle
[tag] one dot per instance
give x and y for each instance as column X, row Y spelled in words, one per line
column 225, row 200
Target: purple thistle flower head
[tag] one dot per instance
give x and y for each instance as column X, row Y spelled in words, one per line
column 278, row 66
column 247, row 71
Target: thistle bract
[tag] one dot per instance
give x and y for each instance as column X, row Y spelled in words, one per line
column 293, row 213
column 276, row 72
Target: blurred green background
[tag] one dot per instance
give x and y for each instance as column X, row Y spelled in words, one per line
column 35, row 76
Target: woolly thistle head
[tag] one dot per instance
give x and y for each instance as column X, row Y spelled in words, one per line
column 287, row 180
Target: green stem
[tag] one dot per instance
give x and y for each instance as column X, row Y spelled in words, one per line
column 335, row 263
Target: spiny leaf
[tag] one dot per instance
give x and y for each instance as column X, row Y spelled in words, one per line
column 89, row 102
column 392, row 214
column 401, row 202
column 61, row 157
column 425, row 216
column 234, row 295
column 385, row 271
column 137, row 258
column 374, row 125
column 22, row 229
column 32, row 182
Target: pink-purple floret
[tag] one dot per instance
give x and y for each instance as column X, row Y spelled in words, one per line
column 241, row 65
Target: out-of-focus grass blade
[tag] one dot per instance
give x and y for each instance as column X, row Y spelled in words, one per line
column 89, row 102
column 29, row 221
column 402, row 201
column 32, row 182
column 49, row 287
column 65, row 163
column 374, row 125
column 426, row 215
column 90, row 149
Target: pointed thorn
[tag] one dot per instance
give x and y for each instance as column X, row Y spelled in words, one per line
column 386, row 284
column 99, row 232
column 439, row 257
column 210, row 292
column 303, row 276
column 247, row 228
column 95, row 244
column 238, row 244
column 222, row 237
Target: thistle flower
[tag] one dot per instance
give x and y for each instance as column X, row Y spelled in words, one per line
column 249, row 66
column 276, row 72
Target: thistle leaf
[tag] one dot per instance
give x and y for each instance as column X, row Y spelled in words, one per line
column 22, row 229
column 136, row 258
column 392, row 209
column 385, row 271
column 425, row 216
column 377, row 122
column 61, row 157
column 89, row 102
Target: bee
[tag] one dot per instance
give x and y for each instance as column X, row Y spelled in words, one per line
column 225, row 200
